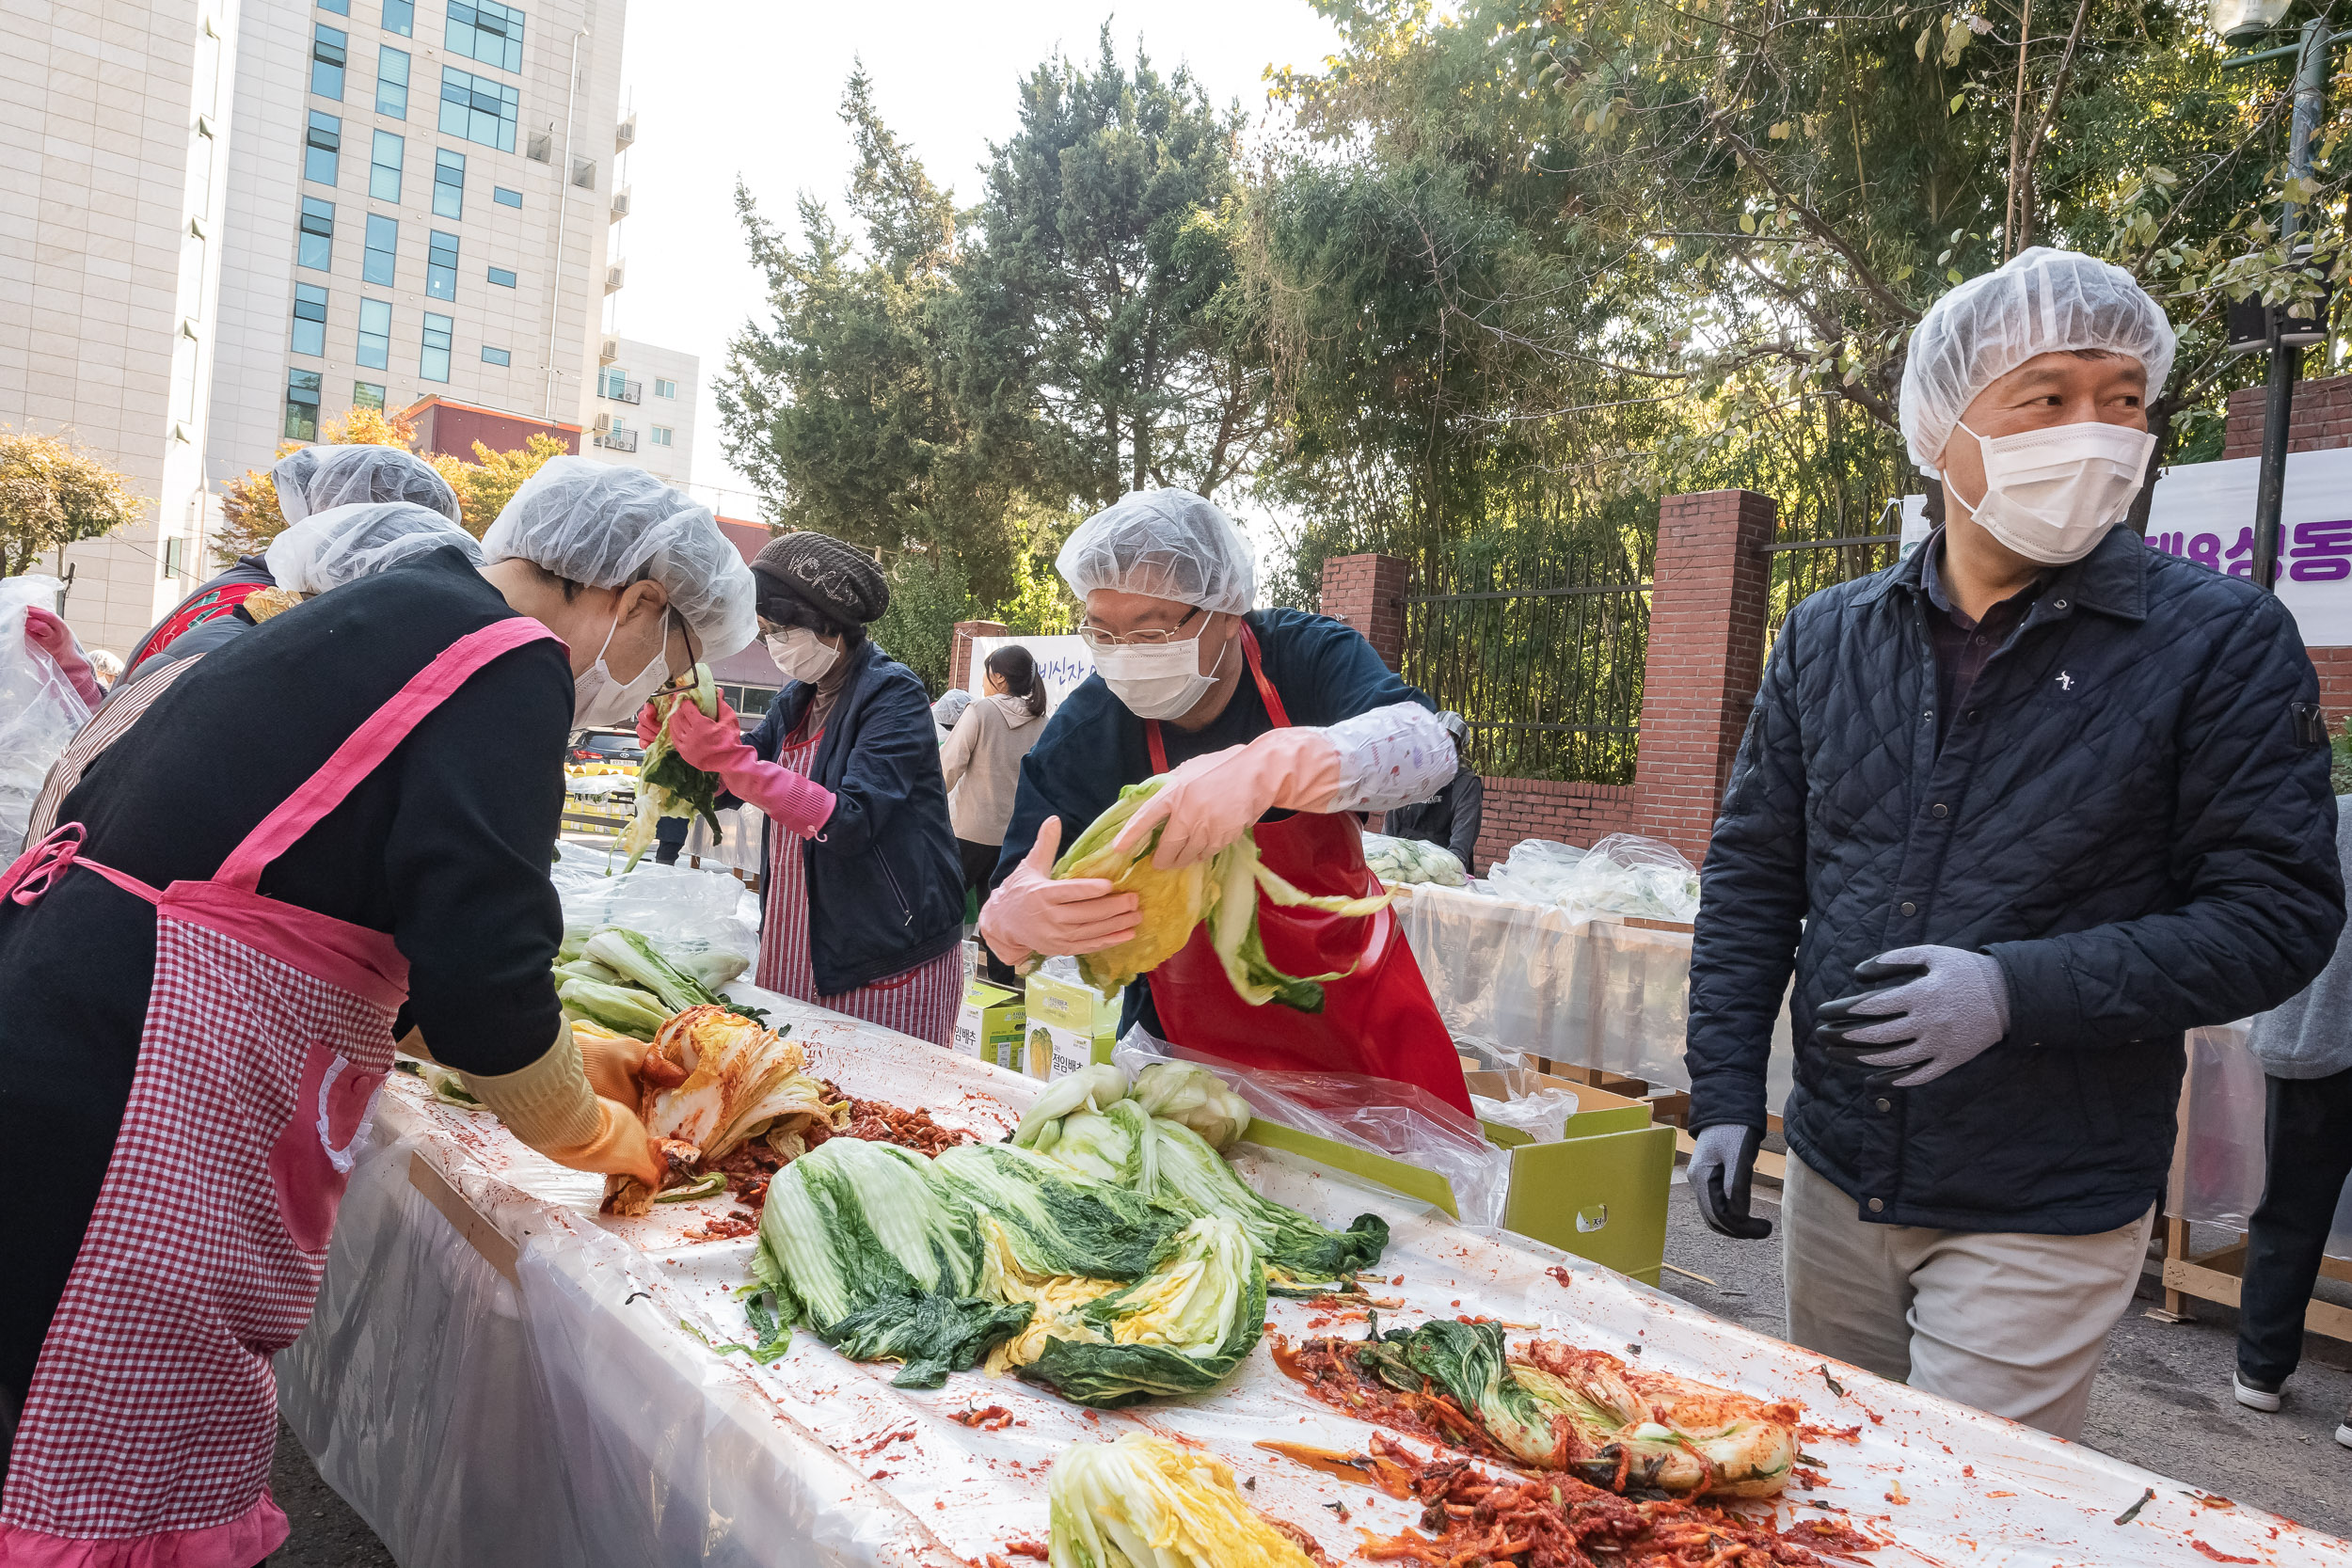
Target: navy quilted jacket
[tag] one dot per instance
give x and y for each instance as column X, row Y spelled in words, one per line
column 2128, row 814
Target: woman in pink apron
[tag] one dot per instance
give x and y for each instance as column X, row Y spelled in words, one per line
column 864, row 894
column 1273, row 720
column 330, row 834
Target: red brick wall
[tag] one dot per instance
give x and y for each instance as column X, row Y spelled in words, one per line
column 1545, row 808
column 2321, row 418
column 959, row 656
column 2335, row 682
column 1368, row 592
column 1706, row 656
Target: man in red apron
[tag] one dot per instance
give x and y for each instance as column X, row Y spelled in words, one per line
column 1273, row 720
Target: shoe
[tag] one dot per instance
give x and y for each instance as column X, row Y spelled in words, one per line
column 2253, row 1393
column 2344, row 1431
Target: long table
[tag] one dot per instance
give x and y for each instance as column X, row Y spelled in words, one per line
column 497, row 1375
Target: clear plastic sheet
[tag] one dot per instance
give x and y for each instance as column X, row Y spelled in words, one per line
column 625, row 1438
column 1590, row 992
column 1403, row 1121
column 1534, row 871
column 1410, row 860
column 39, row 710
column 2219, row 1175
column 687, row 909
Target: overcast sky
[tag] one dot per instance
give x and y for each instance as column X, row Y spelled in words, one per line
column 729, row 87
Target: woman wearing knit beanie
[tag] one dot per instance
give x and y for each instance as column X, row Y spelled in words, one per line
column 864, row 894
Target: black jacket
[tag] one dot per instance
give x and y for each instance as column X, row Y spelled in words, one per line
column 2128, row 813
column 1451, row 818
column 886, row 889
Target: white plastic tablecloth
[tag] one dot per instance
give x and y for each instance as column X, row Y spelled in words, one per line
column 1581, row 989
column 576, row 1412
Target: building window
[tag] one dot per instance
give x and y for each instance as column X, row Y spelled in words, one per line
column 322, row 149
column 327, row 56
column 496, row 356
column 400, row 16
column 449, row 184
column 316, row 249
column 479, row 109
column 391, row 82
column 501, row 277
column 433, row 362
column 175, row 556
column 302, row 405
column 309, row 320
column 661, row 434
column 383, row 250
column 486, row 31
column 368, row 394
column 440, row 266
column 384, row 167
column 663, row 387
column 375, row 334
column 341, row 8
column 505, row 197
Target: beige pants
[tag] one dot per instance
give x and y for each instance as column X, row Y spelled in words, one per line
column 2011, row 1324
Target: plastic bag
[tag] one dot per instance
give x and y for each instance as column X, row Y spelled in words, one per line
column 1542, row 1114
column 1628, row 874
column 1403, row 1121
column 1411, row 859
column 1534, row 871
column 683, row 910
column 39, row 710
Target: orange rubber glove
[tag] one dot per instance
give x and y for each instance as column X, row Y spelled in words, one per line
column 1210, row 802
column 551, row 1107
column 1030, row 912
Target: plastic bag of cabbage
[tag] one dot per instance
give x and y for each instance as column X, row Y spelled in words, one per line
column 1412, row 860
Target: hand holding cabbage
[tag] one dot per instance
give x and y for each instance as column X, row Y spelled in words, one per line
column 667, row 783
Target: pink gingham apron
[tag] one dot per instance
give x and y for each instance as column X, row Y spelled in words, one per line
column 145, row 1436
column 922, row 1002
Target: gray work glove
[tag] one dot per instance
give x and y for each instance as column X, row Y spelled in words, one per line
column 1720, row 1167
column 1945, row 1018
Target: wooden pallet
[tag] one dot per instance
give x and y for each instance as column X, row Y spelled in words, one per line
column 2219, row 1275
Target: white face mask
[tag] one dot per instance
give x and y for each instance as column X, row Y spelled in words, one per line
column 801, row 653
column 601, row 699
column 1156, row 682
column 2051, row 495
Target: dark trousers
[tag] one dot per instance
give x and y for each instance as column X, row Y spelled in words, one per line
column 980, row 865
column 669, row 837
column 2307, row 1142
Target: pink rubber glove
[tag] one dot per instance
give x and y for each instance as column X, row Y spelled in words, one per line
column 43, row 631
column 716, row 745
column 1030, row 912
column 1210, row 802
column 650, row 724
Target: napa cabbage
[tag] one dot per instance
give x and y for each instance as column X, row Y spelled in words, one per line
column 879, row 1261
column 1145, row 1502
column 1193, row 1178
column 1189, row 1093
column 1056, row 1221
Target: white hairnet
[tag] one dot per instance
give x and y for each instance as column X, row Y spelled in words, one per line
column 1167, row 544
column 607, row 526
column 315, row 478
column 345, row 543
column 2042, row 301
column 950, row 706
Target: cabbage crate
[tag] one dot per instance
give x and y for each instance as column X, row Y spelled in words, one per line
column 1069, row 1024
column 1599, row 1192
column 989, row 1025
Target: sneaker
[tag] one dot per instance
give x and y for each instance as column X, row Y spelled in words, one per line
column 2253, row 1393
column 2344, row 1431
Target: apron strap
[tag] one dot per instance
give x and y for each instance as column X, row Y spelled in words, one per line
column 371, row 743
column 1158, row 744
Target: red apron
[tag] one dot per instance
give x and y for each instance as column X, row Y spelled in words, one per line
column 1379, row 1021
column 145, row 1436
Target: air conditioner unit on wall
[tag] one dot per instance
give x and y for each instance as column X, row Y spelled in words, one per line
column 614, row 275
column 620, row 202
column 608, row 351
column 624, row 135
column 604, row 422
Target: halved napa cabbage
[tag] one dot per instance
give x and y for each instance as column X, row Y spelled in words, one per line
column 1145, row 1502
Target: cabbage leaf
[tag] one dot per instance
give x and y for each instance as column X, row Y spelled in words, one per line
column 1194, row 1178
column 1145, row 1502
column 1179, row 1329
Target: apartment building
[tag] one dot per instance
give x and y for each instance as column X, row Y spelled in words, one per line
column 229, row 221
column 644, row 408
column 114, row 122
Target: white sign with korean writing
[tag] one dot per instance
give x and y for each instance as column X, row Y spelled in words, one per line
column 2204, row 512
column 1064, row 661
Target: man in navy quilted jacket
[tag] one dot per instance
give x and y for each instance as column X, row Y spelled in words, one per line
column 2017, row 812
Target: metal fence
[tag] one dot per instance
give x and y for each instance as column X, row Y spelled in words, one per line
column 1541, row 653
column 1810, row 552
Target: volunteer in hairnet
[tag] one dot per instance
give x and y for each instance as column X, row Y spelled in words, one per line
column 322, row 552
column 2018, row 811
column 308, row 480
column 201, row 988
column 1274, row 719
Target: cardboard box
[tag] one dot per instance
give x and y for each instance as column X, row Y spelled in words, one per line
column 989, row 1025
column 1599, row 1193
column 1069, row 1024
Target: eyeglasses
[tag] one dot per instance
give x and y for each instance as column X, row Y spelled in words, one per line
column 1150, row 637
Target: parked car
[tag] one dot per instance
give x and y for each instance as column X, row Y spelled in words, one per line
column 607, row 746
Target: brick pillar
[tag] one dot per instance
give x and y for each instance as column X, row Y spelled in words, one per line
column 959, row 651
column 1368, row 592
column 1706, row 656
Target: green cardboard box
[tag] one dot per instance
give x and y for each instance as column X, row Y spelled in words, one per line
column 989, row 1025
column 1599, row 1193
column 1069, row 1024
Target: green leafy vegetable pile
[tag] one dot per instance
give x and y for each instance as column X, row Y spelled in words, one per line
column 618, row 978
